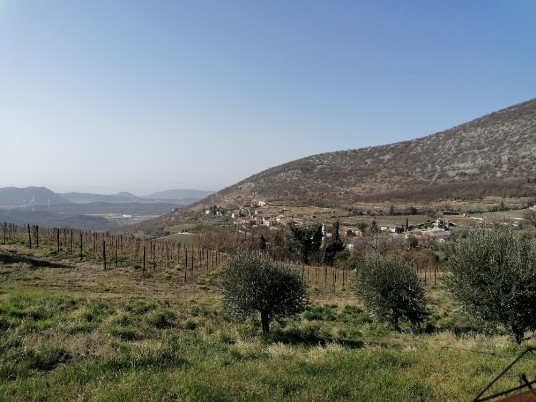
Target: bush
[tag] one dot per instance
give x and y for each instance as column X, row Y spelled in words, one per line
column 494, row 278
column 161, row 318
column 391, row 290
column 319, row 313
column 530, row 216
column 252, row 283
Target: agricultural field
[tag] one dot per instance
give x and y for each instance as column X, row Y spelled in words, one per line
column 70, row 330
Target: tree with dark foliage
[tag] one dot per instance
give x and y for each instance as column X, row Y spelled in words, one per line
column 308, row 240
column 335, row 245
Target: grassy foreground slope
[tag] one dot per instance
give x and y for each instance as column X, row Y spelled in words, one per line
column 71, row 331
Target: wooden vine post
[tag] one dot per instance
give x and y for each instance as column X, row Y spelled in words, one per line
column 29, row 237
column 193, row 256
column 104, row 253
column 153, row 246
column 81, row 241
column 185, row 262
column 143, row 269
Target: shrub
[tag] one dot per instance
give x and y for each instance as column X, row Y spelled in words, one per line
column 320, row 313
column 412, row 242
column 252, row 283
column 391, row 290
column 161, row 318
column 530, row 216
column 494, row 278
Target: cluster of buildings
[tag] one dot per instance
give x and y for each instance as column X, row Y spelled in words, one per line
column 256, row 215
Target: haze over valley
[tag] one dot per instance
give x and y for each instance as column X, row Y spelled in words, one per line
column 99, row 212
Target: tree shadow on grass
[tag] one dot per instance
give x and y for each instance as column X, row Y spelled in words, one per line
column 18, row 258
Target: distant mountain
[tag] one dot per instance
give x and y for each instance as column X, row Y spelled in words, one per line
column 182, row 197
column 491, row 155
column 12, row 197
column 78, row 210
column 186, row 195
column 54, row 219
column 130, row 208
column 82, row 198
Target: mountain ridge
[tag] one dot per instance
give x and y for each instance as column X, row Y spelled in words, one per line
column 82, row 198
column 85, row 211
column 29, row 196
column 492, row 154
column 179, row 194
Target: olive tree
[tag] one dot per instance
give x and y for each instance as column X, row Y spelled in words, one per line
column 391, row 290
column 253, row 284
column 494, row 278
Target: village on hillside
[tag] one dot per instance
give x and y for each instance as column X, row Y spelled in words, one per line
column 261, row 214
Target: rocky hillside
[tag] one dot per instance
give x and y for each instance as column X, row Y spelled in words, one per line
column 494, row 154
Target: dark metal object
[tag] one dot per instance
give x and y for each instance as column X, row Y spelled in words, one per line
column 524, row 381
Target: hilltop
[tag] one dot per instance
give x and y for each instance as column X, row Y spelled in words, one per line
column 82, row 198
column 187, row 196
column 491, row 155
column 14, row 197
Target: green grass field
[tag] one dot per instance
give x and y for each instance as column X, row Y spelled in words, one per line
column 72, row 331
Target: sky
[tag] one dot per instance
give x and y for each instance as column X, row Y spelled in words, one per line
column 142, row 96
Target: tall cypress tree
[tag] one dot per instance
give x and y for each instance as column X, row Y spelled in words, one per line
column 335, row 245
column 308, row 240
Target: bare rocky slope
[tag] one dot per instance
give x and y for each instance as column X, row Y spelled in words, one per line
column 492, row 155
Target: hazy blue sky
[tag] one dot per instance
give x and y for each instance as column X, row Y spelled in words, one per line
column 109, row 95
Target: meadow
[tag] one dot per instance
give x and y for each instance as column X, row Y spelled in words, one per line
column 73, row 331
